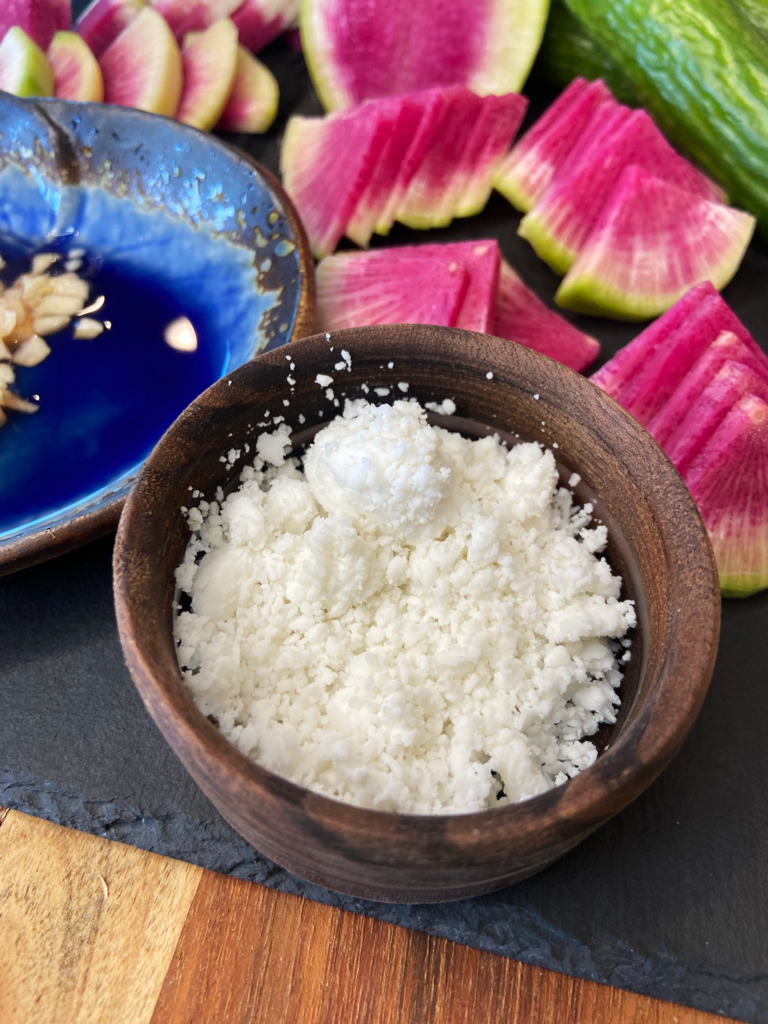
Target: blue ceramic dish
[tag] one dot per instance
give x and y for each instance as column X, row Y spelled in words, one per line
column 173, row 224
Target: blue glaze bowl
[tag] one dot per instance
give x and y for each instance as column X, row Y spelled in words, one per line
column 173, row 223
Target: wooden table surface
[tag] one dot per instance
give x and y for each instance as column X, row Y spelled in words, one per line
column 95, row 932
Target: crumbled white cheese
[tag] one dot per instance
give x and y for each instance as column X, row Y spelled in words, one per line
column 445, row 408
column 415, row 623
column 323, row 380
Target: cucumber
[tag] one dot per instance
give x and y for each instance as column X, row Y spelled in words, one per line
column 569, row 52
column 701, row 69
column 756, row 11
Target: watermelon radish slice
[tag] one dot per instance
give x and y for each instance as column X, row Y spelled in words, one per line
column 652, row 242
column 185, row 16
column 38, row 19
column 434, row 191
column 401, row 117
column 253, row 101
column 655, row 382
column 725, row 389
column 526, row 173
column 261, row 21
column 500, row 118
column 549, row 225
column 209, row 60
column 726, row 349
column 729, row 482
column 360, row 51
column 558, row 226
column 522, row 317
column 76, row 72
column 434, row 103
column 24, row 68
column 393, row 268
column 354, row 290
column 618, row 373
column 481, row 259
column 103, row 21
column 142, row 68
column 326, row 163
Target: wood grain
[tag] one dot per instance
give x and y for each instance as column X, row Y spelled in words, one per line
column 94, row 932
column 253, row 956
column 87, row 926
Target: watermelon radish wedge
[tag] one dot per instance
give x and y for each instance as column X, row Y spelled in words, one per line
column 24, row 68
column 40, row 20
column 326, row 164
column 433, row 193
column 558, row 225
column 103, row 21
column 527, row 171
column 481, row 259
column 354, row 290
column 729, row 482
column 76, row 72
column 651, row 243
column 434, row 103
column 401, row 116
column 500, row 118
column 360, row 51
column 655, row 382
column 209, row 61
column 726, row 349
column 618, row 374
column 260, row 21
column 393, row 267
column 701, row 382
column 253, row 101
column 185, row 16
column 142, row 68
column 725, row 389
column 522, row 317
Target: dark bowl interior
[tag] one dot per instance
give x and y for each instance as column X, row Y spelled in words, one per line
column 657, row 543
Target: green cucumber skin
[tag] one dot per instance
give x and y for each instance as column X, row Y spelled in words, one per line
column 701, row 69
column 568, row 51
column 756, row 11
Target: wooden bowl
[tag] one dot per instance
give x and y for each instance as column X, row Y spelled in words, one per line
column 657, row 542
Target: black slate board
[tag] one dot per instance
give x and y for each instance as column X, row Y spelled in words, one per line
column 669, row 899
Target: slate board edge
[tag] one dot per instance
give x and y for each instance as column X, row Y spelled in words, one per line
column 535, row 942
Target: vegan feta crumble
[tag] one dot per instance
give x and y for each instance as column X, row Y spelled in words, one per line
column 413, row 621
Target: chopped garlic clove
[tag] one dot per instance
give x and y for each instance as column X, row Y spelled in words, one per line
column 87, row 328
column 31, row 352
column 5, row 353
column 7, row 320
column 14, row 401
column 49, row 324
column 7, row 374
column 59, row 305
column 42, row 262
column 72, row 265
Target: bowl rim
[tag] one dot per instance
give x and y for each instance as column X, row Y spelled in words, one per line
column 586, row 800
column 104, row 514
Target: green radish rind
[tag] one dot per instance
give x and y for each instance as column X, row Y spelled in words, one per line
column 701, row 69
column 513, row 37
column 24, row 68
